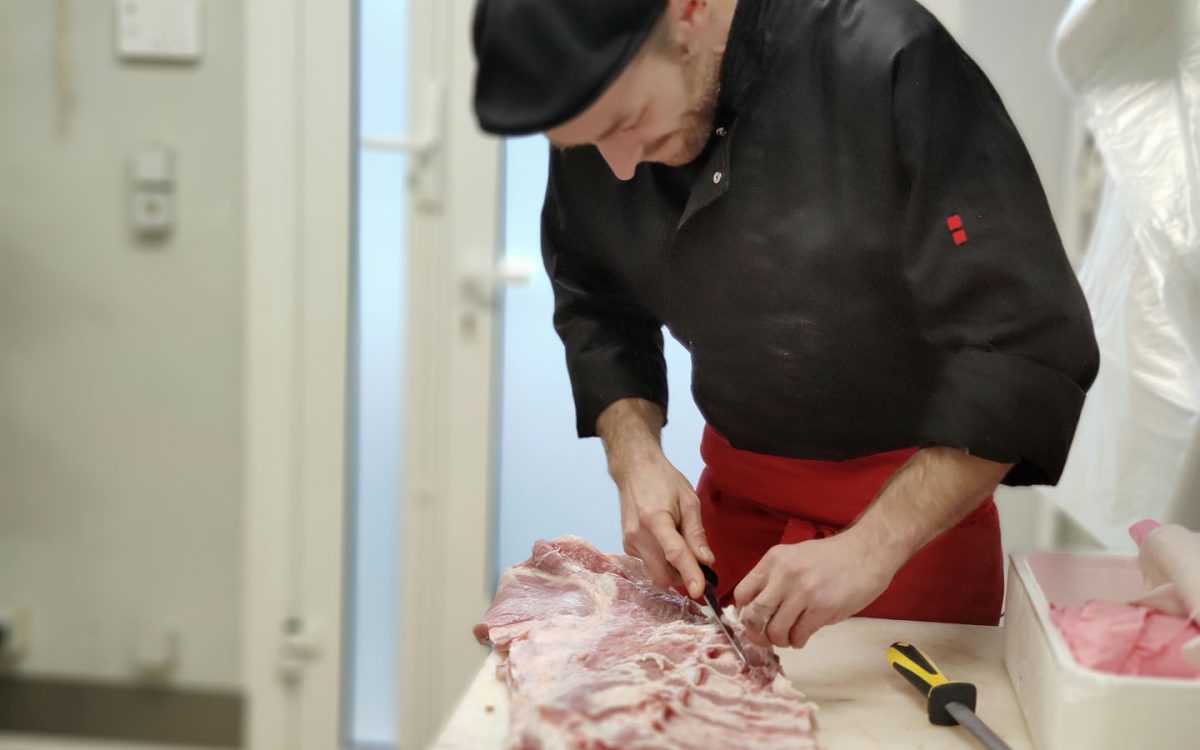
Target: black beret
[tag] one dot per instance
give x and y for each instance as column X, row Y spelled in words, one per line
column 542, row 62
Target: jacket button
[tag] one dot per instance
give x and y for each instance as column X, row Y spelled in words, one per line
column 717, row 178
column 721, row 132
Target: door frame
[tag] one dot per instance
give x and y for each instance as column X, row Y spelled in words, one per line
column 297, row 242
column 453, row 292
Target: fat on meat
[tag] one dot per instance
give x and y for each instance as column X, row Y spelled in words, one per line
column 597, row 657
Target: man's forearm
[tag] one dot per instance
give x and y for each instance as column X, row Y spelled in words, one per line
column 935, row 490
column 630, row 429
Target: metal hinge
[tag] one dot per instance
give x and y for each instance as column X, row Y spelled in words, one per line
column 300, row 646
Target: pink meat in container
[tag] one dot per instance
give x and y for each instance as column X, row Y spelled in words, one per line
column 1072, row 707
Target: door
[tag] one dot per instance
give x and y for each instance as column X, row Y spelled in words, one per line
column 371, row 226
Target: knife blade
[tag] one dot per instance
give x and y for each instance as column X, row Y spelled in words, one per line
column 710, row 596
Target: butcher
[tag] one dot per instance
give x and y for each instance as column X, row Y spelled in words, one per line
column 826, row 203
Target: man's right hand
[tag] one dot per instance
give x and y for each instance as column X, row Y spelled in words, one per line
column 660, row 513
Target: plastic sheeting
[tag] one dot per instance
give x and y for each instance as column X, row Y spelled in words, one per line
column 1135, row 67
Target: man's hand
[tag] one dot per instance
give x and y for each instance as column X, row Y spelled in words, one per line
column 660, row 513
column 797, row 589
column 657, row 504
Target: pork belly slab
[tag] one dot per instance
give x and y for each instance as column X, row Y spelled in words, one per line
column 599, row 658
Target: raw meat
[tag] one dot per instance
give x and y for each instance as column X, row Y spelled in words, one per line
column 1126, row 639
column 1158, row 633
column 599, row 658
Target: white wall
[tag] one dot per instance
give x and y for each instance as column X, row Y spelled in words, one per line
column 1012, row 41
column 120, row 362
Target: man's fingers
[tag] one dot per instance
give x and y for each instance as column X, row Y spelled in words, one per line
column 693, row 528
column 677, row 553
column 779, row 629
column 808, row 623
column 656, row 564
column 757, row 598
column 750, row 587
column 629, row 545
column 756, row 616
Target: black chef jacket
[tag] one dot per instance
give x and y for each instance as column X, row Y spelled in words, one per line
column 862, row 260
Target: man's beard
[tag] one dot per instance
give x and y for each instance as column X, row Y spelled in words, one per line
column 687, row 142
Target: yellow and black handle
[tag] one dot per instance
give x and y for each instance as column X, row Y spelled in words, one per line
column 919, row 669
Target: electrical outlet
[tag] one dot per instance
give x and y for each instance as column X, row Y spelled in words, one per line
column 14, row 633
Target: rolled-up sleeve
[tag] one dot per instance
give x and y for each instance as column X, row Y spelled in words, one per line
column 614, row 348
column 992, row 289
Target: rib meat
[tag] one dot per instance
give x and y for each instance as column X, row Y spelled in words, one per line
column 597, row 657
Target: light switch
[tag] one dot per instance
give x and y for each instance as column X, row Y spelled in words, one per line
column 165, row 30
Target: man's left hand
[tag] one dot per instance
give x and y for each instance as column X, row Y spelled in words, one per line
column 797, row 589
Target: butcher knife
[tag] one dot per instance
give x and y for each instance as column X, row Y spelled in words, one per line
column 950, row 702
column 710, row 596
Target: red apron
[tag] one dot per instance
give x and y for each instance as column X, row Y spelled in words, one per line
column 752, row 502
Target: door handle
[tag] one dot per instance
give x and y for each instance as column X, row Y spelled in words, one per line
column 484, row 287
column 425, row 139
column 424, row 145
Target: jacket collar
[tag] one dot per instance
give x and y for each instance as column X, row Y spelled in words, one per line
column 748, row 51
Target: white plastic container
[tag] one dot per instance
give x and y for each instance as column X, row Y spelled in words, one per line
column 1068, row 706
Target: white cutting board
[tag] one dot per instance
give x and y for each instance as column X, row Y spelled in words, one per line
column 862, row 703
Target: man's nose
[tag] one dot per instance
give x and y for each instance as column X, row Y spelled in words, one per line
column 622, row 153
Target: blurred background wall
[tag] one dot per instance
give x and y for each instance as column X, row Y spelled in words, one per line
column 120, row 357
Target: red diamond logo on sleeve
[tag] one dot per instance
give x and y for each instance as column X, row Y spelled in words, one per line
column 957, row 233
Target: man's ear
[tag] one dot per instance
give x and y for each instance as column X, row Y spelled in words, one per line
column 688, row 19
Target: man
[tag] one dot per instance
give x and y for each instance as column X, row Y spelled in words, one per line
column 826, row 203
